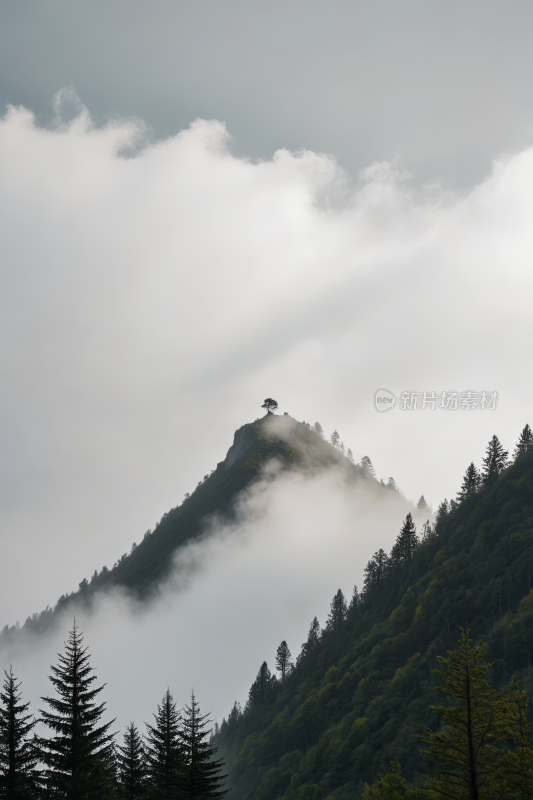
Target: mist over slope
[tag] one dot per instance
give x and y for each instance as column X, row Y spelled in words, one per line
column 303, row 526
column 362, row 690
column 262, row 451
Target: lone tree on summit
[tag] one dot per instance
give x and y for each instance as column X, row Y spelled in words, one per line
column 270, row 405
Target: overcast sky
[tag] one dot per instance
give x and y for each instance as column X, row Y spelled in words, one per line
column 351, row 211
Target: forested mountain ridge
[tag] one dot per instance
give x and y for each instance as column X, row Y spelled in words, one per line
column 273, row 438
column 362, row 688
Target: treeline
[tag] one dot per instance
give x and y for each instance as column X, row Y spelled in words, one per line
column 361, row 687
column 81, row 759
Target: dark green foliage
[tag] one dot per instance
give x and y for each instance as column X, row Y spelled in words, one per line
column 494, row 461
column 283, row 660
column 525, row 442
column 261, row 687
column 360, row 695
column 164, row 753
column 140, row 571
column 78, row 758
column 313, row 639
column 376, row 571
column 18, row 756
column 337, row 613
column 202, row 773
column 471, row 483
column 406, row 543
column 131, row 766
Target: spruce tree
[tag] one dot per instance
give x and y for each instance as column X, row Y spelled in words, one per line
column 406, row 543
column 442, row 512
column 283, row 660
column 335, row 439
column 471, row 483
column 338, row 612
column 376, row 570
column 495, row 460
column 18, row 757
column 367, row 466
column 260, row 688
column 163, row 751
column 201, row 778
column 349, row 455
column 313, row 639
column 391, row 484
column 131, row 765
column 478, row 720
column 525, row 442
column 79, row 756
column 422, row 504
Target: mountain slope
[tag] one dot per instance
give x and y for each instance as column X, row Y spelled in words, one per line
column 359, row 697
column 273, row 439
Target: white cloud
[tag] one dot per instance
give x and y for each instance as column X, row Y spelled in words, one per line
column 148, row 305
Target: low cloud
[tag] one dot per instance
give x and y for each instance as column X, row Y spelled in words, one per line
column 149, row 303
column 232, row 598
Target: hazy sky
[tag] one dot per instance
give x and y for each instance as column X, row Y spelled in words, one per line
column 444, row 86
column 161, row 276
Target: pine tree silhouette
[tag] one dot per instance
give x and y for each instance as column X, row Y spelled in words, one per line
column 131, row 765
column 260, row 688
column 18, row 756
column 471, row 483
column 338, row 612
column 79, row 757
column 283, row 660
column 202, row 778
column 313, row 638
column 495, row 460
column 367, row 466
column 525, row 442
column 406, row 543
column 164, row 755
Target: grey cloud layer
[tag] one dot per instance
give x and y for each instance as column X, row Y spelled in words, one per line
column 444, row 86
column 149, row 304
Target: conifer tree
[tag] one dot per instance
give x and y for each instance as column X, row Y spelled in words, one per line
column 283, row 660
column 79, row 756
column 342, row 448
column 131, row 765
column 349, row 455
column 392, row 787
column 338, row 612
column 18, row 756
column 335, row 439
column 525, row 442
column 355, row 601
column 201, row 778
column 406, row 543
column 260, row 688
column 477, row 721
column 313, row 638
column 164, row 760
column 471, row 483
column 376, row 570
column 391, row 484
column 495, row 460
column 442, row 513
column 422, row 504
column 367, row 466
